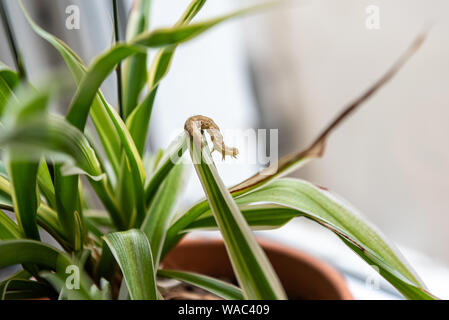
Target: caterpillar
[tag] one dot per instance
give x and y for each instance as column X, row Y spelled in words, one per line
column 196, row 123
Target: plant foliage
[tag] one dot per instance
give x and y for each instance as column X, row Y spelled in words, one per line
column 53, row 170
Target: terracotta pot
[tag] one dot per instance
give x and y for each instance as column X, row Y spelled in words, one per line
column 303, row 276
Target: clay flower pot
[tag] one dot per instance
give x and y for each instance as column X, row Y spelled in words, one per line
column 303, row 276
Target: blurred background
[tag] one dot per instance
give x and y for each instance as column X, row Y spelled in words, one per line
column 293, row 68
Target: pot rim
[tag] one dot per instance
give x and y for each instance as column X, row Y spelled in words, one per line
column 333, row 276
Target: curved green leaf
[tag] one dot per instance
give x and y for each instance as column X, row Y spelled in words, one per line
column 259, row 217
column 106, row 63
column 139, row 120
column 308, row 198
column 251, row 266
column 220, row 288
column 14, row 252
column 22, row 168
column 9, row 76
column 19, row 289
column 87, row 291
column 45, row 184
column 92, row 80
column 134, row 161
column 44, row 136
column 9, row 79
column 23, row 176
column 8, row 228
column 172, row 156
column 132, row 251
column 161, row 212
column 100, row 119
column 53, row 134
column 134, row 68
column 276, row 204
column 46, row 217
column 48, row 220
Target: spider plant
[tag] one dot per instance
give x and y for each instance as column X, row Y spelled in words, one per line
column 53, row 172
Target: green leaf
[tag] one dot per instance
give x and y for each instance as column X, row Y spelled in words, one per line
column 125, row 195
column 139, row 120
column 134, row 68
column 14, row 252
column 18, row 289
column 107, row 266
column 102, row 123
column 22, row 169
column 5, row 194
column 99, row 217
column 67, row 204
column 259, row 217
column 23, row 177
column 132, row 251
column 92, row 80
column 48, row 219
column 106, row 63
column 106, row 196
column 171, row 157
column 58, row 281
column 251, row 266
column 409, row 291
column 53, row 135
column 94, row 230
column 9, row 76
column 135, row 164
column 327, row 207
column 45, row 184
column 134, row 78
column 191, row 11
column 220, row 288
column 8, row 228
column 277, row 203
column 9, row 79
column 182, row 33
column 161, row 212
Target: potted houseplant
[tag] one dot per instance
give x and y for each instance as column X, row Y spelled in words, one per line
column 128, row 247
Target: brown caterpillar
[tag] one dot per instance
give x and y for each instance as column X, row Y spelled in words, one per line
column 196, row 123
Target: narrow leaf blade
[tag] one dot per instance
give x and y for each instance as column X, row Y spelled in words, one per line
column 251, row 266
column 220, row 288
column 161, row 212
column 132, row 251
